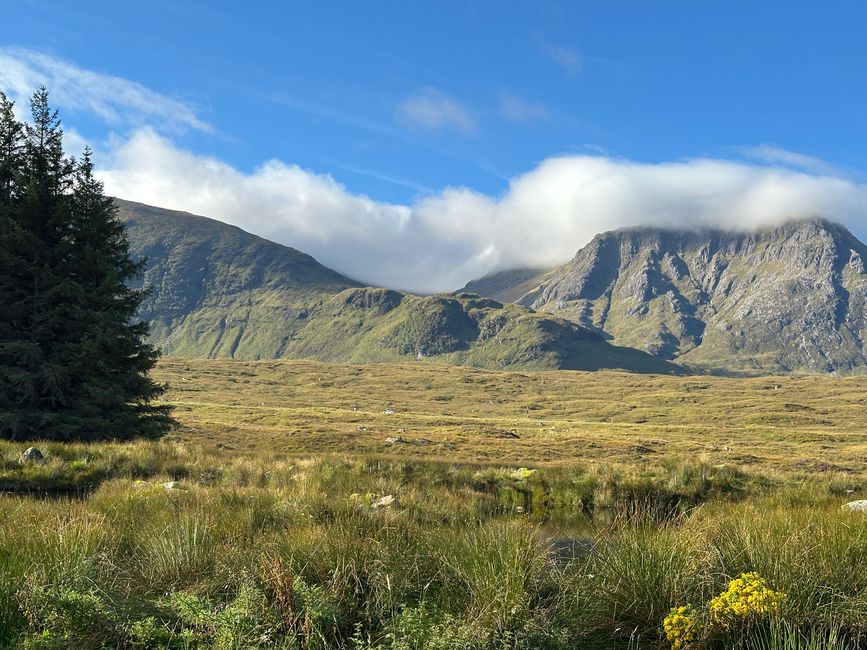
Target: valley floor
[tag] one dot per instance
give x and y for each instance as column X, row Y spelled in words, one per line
column 303, row 505
column 794, row 424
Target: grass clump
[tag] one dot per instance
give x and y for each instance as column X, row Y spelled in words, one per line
column 298, row 556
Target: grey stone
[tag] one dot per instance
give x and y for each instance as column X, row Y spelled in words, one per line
column 32, row 455
column 388, row 501
column 857, row 506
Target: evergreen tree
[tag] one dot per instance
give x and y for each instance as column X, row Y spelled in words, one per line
column 19, row 355
column 11, row 151
column 73, row 361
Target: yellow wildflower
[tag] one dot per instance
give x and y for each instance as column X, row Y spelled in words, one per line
column 747, row 597
column 681, row 626
column 522, row 473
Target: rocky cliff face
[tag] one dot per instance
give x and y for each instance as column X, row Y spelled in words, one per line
column 780, row 299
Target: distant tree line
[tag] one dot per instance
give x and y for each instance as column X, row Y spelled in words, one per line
column 74, row 360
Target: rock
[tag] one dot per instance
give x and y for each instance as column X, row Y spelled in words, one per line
column 32, row 455
column 857, row 506
column 388, row 411
column 171, row 485
column 388, row 501
column 511, row 434
column 400, row 440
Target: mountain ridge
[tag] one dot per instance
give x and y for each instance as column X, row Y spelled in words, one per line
column 218, row 291
column 783, row 298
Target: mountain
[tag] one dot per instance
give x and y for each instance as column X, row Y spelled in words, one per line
column 217, row 291
column 508, row 286
column 781, row 299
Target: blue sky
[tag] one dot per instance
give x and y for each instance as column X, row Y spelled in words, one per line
column 399, row 101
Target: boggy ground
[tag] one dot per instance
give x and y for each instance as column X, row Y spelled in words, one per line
column 266, row 520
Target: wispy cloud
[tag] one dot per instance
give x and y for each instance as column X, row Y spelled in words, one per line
column 779, row 156
column 521, row 111
column 344, row 116
column 336, row 114
column 566, row 57
column 386, row 178
column 431, row 108
column 118, row 102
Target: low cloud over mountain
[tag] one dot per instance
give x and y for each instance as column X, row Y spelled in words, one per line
column 441, row 241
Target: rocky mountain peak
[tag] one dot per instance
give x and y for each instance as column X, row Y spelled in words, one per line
column 782, row 298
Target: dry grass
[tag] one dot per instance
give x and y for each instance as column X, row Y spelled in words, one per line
column 649, row 492
column 794, row 425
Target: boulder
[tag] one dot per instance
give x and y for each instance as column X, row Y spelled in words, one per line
column 388, row 501
column 857, row 506
column 32, row 455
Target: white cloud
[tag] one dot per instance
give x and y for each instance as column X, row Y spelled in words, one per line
column 431, row 108
column 521, row 111
column 117, row 101
column 440, row 242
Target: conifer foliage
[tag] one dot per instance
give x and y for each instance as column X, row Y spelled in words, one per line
column 74, row 360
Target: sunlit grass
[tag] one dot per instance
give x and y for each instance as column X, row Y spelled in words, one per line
column 583, row 531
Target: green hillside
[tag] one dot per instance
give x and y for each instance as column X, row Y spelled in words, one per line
column 219, row 292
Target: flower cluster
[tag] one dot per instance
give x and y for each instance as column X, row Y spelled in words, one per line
column 747, row 597
column 747, row 600
column 522, row 473
column 681, row 626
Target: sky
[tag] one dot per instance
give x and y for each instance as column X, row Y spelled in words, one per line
column 420, row 145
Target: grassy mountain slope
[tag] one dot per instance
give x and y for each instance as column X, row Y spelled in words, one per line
column 220, row 292
column 368, row 324
column 788, row 298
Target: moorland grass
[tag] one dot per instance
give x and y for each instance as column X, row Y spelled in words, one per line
column 303, row 559
column 796, row 424
column 267, row 539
